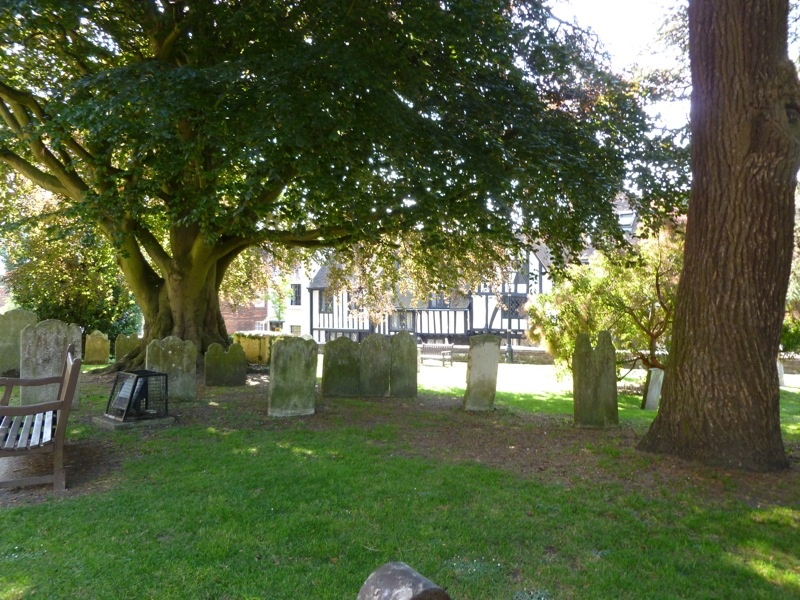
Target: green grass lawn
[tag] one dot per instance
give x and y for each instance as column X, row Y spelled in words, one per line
column 241, row 506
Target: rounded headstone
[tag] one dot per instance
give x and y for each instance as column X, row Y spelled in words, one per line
column 341, row 368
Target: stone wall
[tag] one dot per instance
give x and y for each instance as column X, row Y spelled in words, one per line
column 257, row 346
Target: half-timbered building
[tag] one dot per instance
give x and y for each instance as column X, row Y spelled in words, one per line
column 447, row 318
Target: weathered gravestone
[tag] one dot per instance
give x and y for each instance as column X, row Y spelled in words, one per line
column 292, row 377
column 656, row 380
column 403, row 376
column 341, row 368
column 178, row 359
column 225, row 368
column 482, row 362
column 11, row 325
column 398, row 581
column 43, row 347
column 97, row 348
column 605, row 361
column 594, row 382
column 376, row 366
column 781, row 374
column 125, row 344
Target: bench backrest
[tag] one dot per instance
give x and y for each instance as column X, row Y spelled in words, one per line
column 67, row 388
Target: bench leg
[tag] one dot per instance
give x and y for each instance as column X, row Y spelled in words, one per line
column 59, row 477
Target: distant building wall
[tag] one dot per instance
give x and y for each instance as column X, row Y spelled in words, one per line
column 244, row 318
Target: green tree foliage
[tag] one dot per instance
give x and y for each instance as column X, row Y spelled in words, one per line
column 456, row 133
column 62, row 269
column 632, row 298
column 246, row 279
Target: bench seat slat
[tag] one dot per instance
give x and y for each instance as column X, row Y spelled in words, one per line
column 23, row 442
column 36, row 435
column 47, row 430
column 11, row 436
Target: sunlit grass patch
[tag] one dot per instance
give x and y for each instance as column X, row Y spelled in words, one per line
column 790, row 414
column 539, row 389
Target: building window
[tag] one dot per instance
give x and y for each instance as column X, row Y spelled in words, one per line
column 295, row 300
column 439, row 301
column 295, row 329
column 401, row 321
column 513, row 306
column 326, row 303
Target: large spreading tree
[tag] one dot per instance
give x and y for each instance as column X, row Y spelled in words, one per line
column 721, row 397
column 455, row 134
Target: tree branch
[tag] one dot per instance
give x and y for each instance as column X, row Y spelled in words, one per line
column 25, row 99
column 14, row 107
column 139, row 274
column 151, row 245
column 23, row 167
column 166, row 45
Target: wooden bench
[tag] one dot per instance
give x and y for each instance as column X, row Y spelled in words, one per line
column 441, row 352
column 39, row 428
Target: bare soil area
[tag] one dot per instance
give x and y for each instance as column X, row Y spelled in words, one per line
column 546, row 448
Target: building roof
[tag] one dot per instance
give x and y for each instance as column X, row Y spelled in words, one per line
column 320, row 281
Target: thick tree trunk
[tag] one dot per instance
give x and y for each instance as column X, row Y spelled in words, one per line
column 188, row 310
column 720, row 402
column 184, row 304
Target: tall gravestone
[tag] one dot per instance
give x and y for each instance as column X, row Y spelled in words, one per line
column 341, row 368
column 584, row 406
column 225, row 368
column 656, row 380
column 43, row 347
column 125, row 344
column 605, row 365
column 11, row 325
column 178, row 359
column 97, row 348
column 594, row 382
column 293, row 377
column 482, row 362
column 376, row 366
column 403, row 376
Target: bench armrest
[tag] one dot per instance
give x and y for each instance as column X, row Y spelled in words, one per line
column 10, row 382
column 30, row 409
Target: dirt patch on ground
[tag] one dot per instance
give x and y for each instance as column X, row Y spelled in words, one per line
column 547, row 448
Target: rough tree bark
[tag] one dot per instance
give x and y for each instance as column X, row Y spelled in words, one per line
column 721, row 397
column 178, row 293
